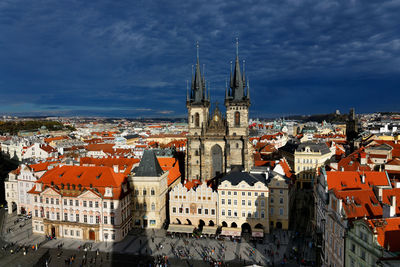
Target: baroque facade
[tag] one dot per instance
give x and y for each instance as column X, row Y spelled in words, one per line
column 217, row 143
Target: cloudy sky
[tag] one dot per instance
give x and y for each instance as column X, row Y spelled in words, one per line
column 132, row 58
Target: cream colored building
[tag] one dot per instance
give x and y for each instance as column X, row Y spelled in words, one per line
column 243, row 202
column 194, row 206
column 308, row 157
column 278, row 200
column 149, row 197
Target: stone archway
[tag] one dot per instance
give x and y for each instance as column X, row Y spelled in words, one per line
column 216, row 159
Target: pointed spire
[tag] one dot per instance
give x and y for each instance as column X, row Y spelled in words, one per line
column 248, row 89
column 197, row 50
column 237, row 47
column 244, row 75
column 226, row 89
column 187, row 90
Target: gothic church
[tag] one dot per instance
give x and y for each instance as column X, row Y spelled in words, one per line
column 216, row 143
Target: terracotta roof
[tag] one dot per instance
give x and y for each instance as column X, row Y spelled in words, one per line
column 388, row 232
column 345, row 180
column 191, row 184
column 51, row 139
column 395, row 161
column 97, row 177
column 40, row 166
column 360, row 203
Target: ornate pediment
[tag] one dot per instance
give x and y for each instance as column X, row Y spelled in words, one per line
column 216, row 122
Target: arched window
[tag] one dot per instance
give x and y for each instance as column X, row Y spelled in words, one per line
column 237, row 145
column 237, row 118
column 153, row 206
column 153, row 192
column 197, row 152
column 197, row 120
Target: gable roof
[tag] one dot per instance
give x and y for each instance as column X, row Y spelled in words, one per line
column 235, row 177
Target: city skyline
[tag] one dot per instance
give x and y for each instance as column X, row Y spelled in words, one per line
column 133, row 59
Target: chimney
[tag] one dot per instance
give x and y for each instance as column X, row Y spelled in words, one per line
column 115, row 168
column 363, row 178
column 397, row 185
column 380, row 194
column 393, row 206
column 342, row 169
column 340, row 205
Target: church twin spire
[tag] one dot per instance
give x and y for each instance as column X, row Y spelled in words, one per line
column 235, row 92
column 198, row 92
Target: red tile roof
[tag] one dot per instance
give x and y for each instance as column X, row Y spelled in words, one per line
column 388, row 232
column 97, row 177
column 364, row 204
column 345, row 180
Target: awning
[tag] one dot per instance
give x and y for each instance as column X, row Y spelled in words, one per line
column 231, row 231
column 257, row 232
column 209, row 230
column 180, row 228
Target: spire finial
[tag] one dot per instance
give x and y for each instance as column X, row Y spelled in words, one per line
column 192, row 70
column 187, row 90
column 237, row 47
column 197, row 49
column 204, row 73
column 231, row 66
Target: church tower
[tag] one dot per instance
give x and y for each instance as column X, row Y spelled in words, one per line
column 237, row 103
column 198, row 104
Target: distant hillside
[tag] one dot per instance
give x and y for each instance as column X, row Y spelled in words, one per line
column 14, row 127
column 332, row 118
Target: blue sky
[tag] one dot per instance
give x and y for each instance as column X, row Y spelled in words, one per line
column 132, row 58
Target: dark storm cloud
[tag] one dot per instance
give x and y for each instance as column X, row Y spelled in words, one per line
column 125, row 57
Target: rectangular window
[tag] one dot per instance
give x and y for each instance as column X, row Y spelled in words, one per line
column 235, row 202
column 206, row 211
column 262, row 215
column 112, row 220
column 96, row 204
column 262, row 194
column 281, row 200
column 71, row 202
column 249, row 194
column 187, row 210
column 248, row 202
column 90, row 204
column 280, row 211
column 243, row 202
column 229, row 213
column 199, row 211
column 65, row 216
column 353, row 248
column 84, row 203
column 58, row 216
column 65, row 202
column 223, row 201
column 77, row 203
column 243, row 193
column 173, row 209
column 223, row 212
column 47, row 200
column 78, row 233
column 249, row 214
column 256, row 194
column 281, row 191
column 66, row 232
column 57, row 201
column 243, row 214
column 91, row 219
column 235, row 213
column 212, row 211
column 105, row 220
column 223, row 193
column 272, row 200
column 229, row 193
column 105, row 204
column 36, row 213
column 77, row 217
column 111, row 205
column 229, row 202
column 85, row 218
column 52, row 201
column 71, row 232
column 235, row 193
column 97, row 219
column 271, row 210
column 35, row 199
